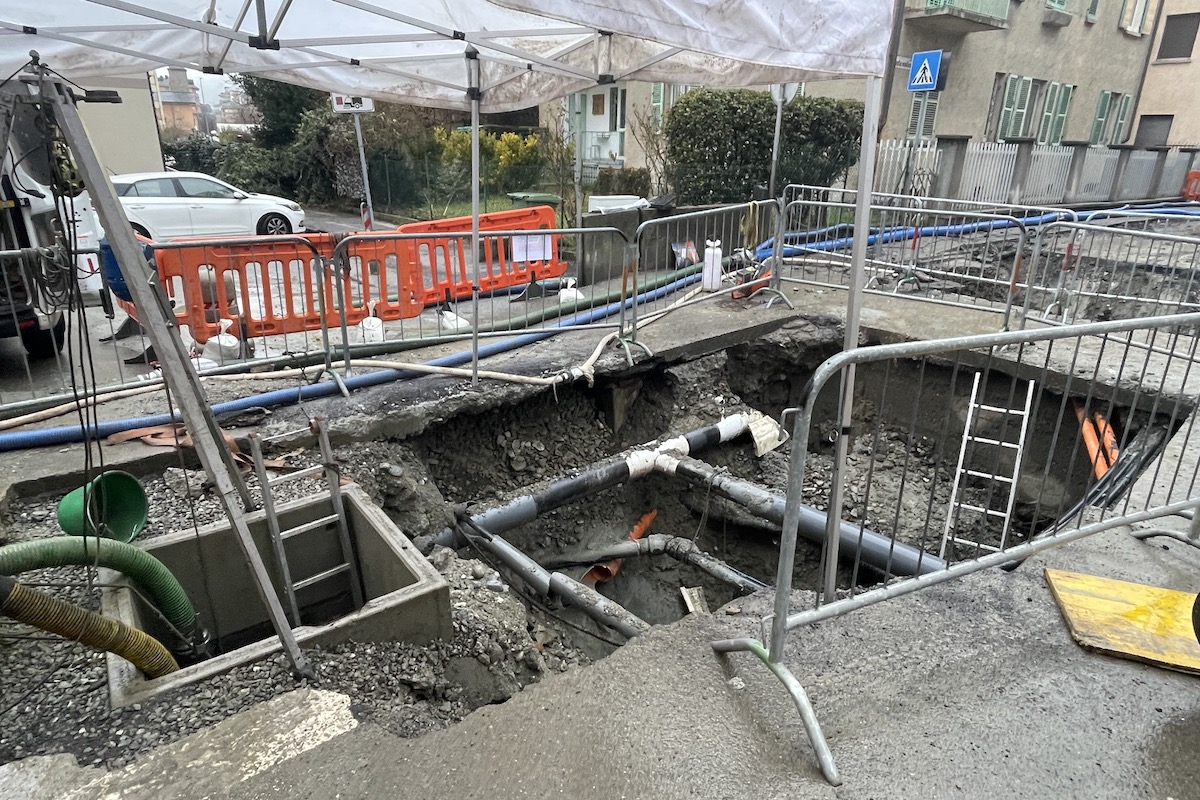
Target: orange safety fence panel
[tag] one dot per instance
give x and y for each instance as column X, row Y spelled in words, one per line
column 1191, row 186
column 440, row 262
column 383, row 279
column 267, row 288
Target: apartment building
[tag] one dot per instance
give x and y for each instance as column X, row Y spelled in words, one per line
column 1166, row 113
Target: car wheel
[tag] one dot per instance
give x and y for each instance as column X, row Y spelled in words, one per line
column 274, row 225
column 45, row 343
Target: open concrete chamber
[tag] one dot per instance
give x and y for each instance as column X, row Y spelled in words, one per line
column 405, row 598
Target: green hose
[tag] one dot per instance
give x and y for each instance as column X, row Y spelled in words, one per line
column 144, row 570
column 87, row 627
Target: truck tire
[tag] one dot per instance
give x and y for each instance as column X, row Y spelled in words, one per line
column 41, row 344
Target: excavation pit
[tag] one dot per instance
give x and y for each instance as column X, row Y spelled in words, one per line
column 405, row 598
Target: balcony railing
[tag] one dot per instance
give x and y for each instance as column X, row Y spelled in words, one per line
column 958, row 16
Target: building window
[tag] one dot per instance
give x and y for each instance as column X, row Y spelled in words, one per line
column 1093, row 11
column 1134, row 15
column 1112, row 117
column 658, row 98
column 1179, row 36
column 1055, row 107
column 1014, row 107
column 914, row 116
column 1118, row 133
column 1154, row 130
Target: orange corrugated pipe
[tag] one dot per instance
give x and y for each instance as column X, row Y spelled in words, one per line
column 1091, row 440
column 603, row 573
column 1108, row 438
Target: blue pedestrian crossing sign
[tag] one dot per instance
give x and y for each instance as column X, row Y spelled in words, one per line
column 924, row 72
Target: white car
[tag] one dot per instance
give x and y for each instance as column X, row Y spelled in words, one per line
column 170, row 205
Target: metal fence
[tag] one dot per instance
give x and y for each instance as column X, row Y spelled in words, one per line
column 1137, row 181
column 988, row 172
column 1049, row 173
column 957, row 257
column 986, row 449
column 906, row 167
column 1174, row 173
column 1081, row 272
column 1097, row 176
column 289, row 309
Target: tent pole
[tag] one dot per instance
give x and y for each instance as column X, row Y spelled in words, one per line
column 858, row 265
column 578, row 112
column 779, row 102
column 473, row 93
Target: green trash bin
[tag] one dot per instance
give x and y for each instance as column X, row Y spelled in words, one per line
column 531, row 199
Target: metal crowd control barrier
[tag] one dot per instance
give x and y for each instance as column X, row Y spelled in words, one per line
column 1131, row 383
column 1084, row 272
column 441, row 261
column 961, row 258
column 828, row 194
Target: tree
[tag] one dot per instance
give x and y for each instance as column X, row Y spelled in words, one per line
column 719, row 142
column 282, row 106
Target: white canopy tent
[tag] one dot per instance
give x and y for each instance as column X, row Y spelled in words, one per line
column 412, row 52
column 491, row 55
column 482, row 55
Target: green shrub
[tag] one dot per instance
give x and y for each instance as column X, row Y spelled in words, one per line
column 719, row 142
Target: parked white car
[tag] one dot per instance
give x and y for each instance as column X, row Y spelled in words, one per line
column 170, row 205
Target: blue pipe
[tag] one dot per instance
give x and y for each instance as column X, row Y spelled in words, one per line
column 67, row 434
column 766, row 249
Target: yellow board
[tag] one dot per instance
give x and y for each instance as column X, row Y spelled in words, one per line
column 1144, row 623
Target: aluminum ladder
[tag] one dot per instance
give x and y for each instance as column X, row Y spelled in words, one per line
column 956, row 506
column 279, row 536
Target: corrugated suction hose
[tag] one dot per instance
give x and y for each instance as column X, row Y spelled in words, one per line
column 95, row 630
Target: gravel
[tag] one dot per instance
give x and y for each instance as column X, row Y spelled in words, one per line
column 55, row 693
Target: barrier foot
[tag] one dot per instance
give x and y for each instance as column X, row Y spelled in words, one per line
column 1178, row 536
column 337, row 378
column 628, row 344
column 807, row 716
column 777, row 294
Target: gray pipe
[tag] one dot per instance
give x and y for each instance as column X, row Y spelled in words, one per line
column 677, row 547
column 574, row 593
column 879, row 551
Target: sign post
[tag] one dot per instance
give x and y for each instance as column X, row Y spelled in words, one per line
column 352, row 104
column 783, row 94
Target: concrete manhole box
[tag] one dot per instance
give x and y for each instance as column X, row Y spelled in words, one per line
column 406, row 598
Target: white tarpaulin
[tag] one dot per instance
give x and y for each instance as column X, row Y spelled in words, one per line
column 841, row 37
column 415, row 52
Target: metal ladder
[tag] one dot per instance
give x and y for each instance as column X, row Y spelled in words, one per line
column 956, row 506
column 338, row 517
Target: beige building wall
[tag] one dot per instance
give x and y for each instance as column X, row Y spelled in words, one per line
column 125, row 134
column 1173, row 84
column 1091, row 56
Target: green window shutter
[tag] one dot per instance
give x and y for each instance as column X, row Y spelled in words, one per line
column 1093, row 11
column 1061, row 5
column 1049, row 106
column 1118, row 133
column 1101, row 120
column 1065, row 93
column 1006, row 110
column 1017, row 123
column 658, row 94
column 914, row 114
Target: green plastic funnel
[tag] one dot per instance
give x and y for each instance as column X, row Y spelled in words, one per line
column 116, row 508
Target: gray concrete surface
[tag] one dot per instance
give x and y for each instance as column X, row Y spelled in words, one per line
column 973, row 689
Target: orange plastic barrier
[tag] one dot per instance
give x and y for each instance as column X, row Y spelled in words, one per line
column 441, row 265
column 269, row 288
column 1191, row 186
